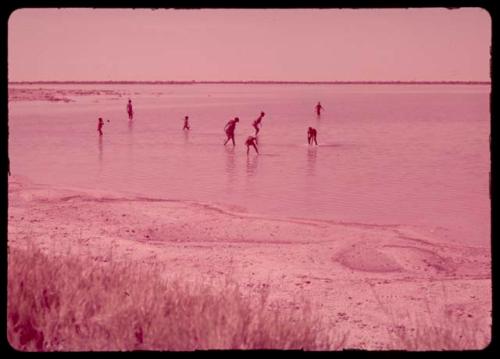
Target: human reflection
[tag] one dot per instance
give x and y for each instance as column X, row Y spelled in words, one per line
column 186, row 137
column 100, row 149
column 130, row 138
column 311, row 160
column 130, row 126
column 230, row 164
column 252, row 162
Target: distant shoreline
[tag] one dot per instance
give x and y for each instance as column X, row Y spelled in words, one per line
column 253, row 82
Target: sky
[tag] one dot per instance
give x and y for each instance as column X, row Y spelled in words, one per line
column 429, row 44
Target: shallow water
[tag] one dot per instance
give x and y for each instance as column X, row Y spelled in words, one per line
column 388, row 154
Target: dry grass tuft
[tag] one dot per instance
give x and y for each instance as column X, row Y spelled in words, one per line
column 63, row 304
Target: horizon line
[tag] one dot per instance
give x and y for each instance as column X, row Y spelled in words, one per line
column 394, row 82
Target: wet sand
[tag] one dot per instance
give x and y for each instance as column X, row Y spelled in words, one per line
column 359, row 276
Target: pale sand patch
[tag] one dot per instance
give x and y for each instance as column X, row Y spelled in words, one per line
column 55, row 95
column 368, row 259
column 359, row 276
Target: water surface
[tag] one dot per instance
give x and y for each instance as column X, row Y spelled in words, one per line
column 388, row 154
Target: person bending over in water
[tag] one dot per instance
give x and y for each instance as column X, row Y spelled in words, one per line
column 229, row 128
column 130, row 111
column 99, row 126
column 318, row 109
column 256, row 123
column 251, row 141
column 311, row 136
column 186, row 123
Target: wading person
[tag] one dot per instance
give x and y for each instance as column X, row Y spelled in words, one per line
column 311, row 136
column 256, row 123
column 251, row 141
column 229, row 128
column 100, row 123
column 318, row 109
column 130, row 111
column 186, row 123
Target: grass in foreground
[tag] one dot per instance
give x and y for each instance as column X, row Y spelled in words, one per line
column 63, row 304
column 435, row 328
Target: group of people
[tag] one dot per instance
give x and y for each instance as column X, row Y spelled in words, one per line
column 130, row 112
column 251, row 140
column 230, row 127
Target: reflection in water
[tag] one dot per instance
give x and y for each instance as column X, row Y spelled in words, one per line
column 186, row 137
column 311, row 160
column 252, row 162
column 130, row 144
column 100, row 151
column 130, row 134
column 230, row 164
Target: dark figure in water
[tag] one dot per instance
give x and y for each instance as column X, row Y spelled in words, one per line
column 318, row 109
column 251, row 141
column 229, row 128
column 99, row 126
column 256, row 123
column 311, row 136
column 186, row 123
column 130, row 111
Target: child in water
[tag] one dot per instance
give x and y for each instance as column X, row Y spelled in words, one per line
column 251, row 141
column 318, row 109
column 229, row 128
column 186, row 123
column 311, row 136
column 99, row 126
column 130, row 111
column 257, row 122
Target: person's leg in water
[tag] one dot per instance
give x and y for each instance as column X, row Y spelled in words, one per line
column 230, row 136
column 253, row 145
column 257, row 129
column 316, row 142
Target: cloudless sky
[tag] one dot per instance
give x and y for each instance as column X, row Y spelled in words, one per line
column 267, row 44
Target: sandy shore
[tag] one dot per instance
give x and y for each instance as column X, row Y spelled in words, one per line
column 359, row 276
column 55, row 95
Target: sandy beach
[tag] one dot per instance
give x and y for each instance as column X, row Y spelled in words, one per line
column 360, row 277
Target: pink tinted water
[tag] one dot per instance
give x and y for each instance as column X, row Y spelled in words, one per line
column 388, row 154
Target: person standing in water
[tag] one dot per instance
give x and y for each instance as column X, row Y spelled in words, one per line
column 251, row 141
column 318, row 109
column 311, row 136
column 130, row 111
column 229, row 128
column 256, row 123
column 186, row 123
column 99, row 126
